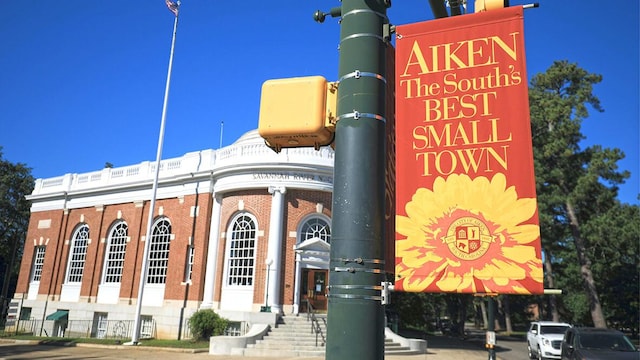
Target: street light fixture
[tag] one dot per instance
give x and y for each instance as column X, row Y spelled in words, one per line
column 266, row 307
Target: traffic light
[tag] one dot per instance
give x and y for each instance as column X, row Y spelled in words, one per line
column 486, row 5
column 298, row 112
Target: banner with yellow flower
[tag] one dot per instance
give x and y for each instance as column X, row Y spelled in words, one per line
column 466, row 210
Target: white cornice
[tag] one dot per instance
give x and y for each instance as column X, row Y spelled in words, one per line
column 246, row 164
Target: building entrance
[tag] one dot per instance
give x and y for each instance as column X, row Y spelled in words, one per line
column 314, row 289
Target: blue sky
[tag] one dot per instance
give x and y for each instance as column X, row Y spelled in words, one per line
column 82, row 81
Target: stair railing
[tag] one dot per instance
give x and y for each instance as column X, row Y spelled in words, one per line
column 315, row 324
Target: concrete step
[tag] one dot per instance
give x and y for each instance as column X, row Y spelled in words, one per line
column 288, row 342
column 297, row 347
column 292, row 334
column 293, row 337
column 304, row 341
column 282, row 353
column 297, row 328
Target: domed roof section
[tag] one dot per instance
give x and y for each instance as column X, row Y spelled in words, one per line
column 250, row 137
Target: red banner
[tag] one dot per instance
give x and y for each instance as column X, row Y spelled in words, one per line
column 466, row 211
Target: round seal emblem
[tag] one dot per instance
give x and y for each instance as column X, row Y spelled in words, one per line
column 468, row 238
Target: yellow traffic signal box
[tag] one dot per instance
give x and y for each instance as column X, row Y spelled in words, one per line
column 297, row 112
column 487, row 5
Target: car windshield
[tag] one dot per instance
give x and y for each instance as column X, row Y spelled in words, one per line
column 617, row 342
column 553, row 329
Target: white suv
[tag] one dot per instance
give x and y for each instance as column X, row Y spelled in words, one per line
column 544, row 339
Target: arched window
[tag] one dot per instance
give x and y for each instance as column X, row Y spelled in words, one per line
column 241, row 258
column 116, row 249
column 78, row 254
column 159, row 252
column 316, row 227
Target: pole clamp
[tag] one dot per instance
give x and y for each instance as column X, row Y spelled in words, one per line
column 351, row 287
column 354, row 36
column 358, row 74
column 354, row 296
column 360, row 261
column 355, row 270
column 356, row 115
column 361, row 11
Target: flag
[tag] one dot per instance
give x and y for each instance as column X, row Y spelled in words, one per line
column 173, row 7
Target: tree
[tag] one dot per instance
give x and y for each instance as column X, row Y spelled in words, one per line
column 417, row 311
column 616, row 253
column 15, row 183
column 574, row 185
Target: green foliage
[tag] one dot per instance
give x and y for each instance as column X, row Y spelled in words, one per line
column 590, row 238
column 206, row 323
column 416, row 310
column 519, row 311
column 578, row 309
column 15, row 183
column 615, row 251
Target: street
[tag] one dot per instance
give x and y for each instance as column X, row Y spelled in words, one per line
column 511, row 349
column 507, row 347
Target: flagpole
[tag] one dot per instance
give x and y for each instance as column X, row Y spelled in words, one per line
column 147, row 244
column 221, row 129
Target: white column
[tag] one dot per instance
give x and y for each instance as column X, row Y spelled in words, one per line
column 274, row 253
column 296, row 286
column 212, row 253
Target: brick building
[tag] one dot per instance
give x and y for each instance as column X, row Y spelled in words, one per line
column 239, row 230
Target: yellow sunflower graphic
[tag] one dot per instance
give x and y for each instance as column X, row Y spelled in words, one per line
column 471, row 236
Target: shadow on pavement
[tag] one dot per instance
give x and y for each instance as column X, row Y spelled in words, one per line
column 36, row 352
column 473, row 340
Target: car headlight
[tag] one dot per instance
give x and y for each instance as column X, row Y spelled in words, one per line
column 546, row 342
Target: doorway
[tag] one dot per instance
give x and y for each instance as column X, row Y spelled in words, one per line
column 314, row 289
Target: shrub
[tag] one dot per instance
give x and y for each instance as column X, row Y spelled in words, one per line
column 206, row 323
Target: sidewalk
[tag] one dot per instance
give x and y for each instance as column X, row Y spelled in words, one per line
column 438, row 348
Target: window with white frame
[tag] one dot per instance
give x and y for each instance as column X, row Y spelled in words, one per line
column 147, row 327
column 116, row 250
column 316, row 227
column 242, row 246
column 159, row 252
column 191, row 251
column 100, row 324
column 38, row 264
column 78, row 254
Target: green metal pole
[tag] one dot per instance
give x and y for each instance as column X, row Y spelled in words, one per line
column 355, row 314
column 491, row 327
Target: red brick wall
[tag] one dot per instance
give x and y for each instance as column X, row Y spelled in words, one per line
column 298, row 205
column 100, row 222
column 183, row 226
column 33, row 233
column 257, row 203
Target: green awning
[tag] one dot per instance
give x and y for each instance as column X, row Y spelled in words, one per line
column 58, row 315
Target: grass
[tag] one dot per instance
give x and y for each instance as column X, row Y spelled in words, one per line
column 179, row 344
